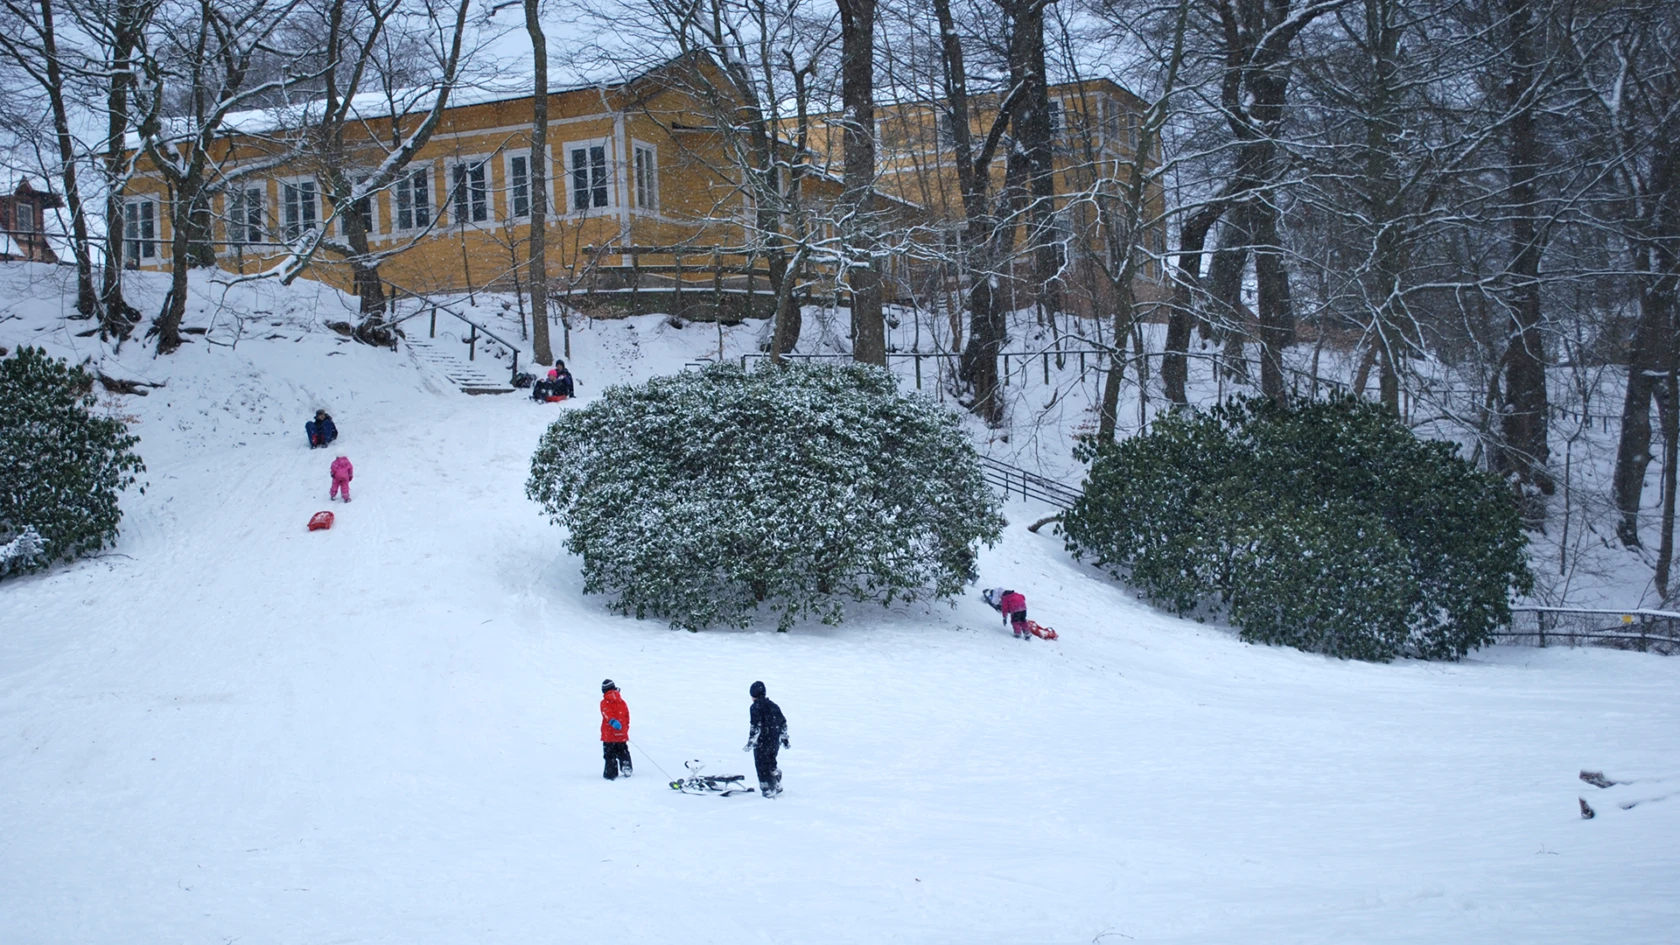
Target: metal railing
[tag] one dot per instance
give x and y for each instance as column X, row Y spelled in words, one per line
column 1013, row 480
column 428, row 304
column 1648, row 631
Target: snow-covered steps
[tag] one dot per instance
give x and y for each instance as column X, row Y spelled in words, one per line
column 471, row 376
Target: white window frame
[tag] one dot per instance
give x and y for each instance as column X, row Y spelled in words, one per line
column 606, row 182
column 140, row 240
column 645, row 190
column 484, row 192
column 402, row 193
column 290, row 230
column 508, row 183
column 1056, row 117
column 373, row 216
column 238, row 203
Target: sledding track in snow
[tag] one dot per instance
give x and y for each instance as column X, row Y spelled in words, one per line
column 236, row 729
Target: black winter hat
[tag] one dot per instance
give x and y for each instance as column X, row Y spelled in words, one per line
column 756, row 690
column 607, row 684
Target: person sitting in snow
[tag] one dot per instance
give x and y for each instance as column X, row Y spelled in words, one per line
column 561, row 379
column 321, row 430
column 342, row 473
column 767, row 735
column 615, row 732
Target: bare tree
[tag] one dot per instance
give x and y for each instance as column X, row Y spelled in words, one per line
column 204, row 56
column 30, row 39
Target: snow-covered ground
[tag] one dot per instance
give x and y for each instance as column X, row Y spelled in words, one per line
column 231, row 729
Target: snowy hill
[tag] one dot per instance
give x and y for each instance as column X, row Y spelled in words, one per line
column 234, row 729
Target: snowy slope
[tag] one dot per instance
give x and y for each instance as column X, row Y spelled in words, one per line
column 233, row 729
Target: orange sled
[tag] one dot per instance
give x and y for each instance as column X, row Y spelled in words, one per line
column 320, row 520
column 1043, row 633
column 555, row 399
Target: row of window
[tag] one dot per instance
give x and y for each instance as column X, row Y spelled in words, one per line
column 1117, row 123
column 468, row 197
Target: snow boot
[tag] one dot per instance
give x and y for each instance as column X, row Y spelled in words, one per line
column 624, row 769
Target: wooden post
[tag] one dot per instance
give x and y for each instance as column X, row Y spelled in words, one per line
column 1047, row 368
column 1006, row 370
column 717, row 294
column 676, row 303
column 434, row 321
column 472, row 344
column 918, row 358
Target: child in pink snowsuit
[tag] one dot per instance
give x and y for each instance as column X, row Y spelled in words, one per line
column 342, row 473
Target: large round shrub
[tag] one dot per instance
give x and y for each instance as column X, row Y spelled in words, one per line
column 61, row 466
column 1328, row 526
column 701, row 496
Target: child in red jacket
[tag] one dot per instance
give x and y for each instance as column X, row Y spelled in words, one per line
column 1013, row 604
column 615, row 732
column 342, row 473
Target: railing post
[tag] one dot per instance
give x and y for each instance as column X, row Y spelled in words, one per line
column 434, row 321
column 1006, row 370
column 918, row 359
column 1047, row 367
column 472, row 343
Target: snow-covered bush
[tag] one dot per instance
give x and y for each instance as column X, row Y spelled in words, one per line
column 61, row 466
column 701, row 496
column 1328, row 526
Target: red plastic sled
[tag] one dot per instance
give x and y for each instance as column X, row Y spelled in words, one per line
column 1043, row 633
column 553, row 400
column 320, row 520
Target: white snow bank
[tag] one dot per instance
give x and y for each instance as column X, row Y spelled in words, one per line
column 234, row 729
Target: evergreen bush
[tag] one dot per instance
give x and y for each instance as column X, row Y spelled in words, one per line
column 1327, row 525
column 61, row 466
column 701, row 496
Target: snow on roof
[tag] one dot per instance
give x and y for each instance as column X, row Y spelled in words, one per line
column 379, row 105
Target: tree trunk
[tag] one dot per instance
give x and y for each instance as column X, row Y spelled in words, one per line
column 87, row 297
column 1175, row 362
column 1523, row 451
column 537, row 274
column 857, row 93
column 119, row 317
column 1035, row 134
column 1669, row 410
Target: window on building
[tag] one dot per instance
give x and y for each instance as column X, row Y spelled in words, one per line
column 471, row 192
column 246, row 211
column 364, row 209
column 1057, row 124
column 140, row 229
column 647, row 177
column 297, row 208
column 519, row 185
column 589, row 176
column 947, row 133
column 23, row 216
column 1111, row 122
column 414, row 199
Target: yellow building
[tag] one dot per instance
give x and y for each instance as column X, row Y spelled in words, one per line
column 645, row 196
column 1095, row 127
column 648, row 210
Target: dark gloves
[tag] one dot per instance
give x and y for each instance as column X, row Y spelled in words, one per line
column 784, row 741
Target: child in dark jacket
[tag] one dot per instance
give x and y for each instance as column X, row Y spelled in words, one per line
column 321, row 430
column 767, row 735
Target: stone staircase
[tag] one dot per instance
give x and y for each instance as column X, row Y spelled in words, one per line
column 448, row 357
